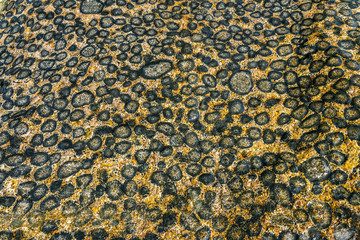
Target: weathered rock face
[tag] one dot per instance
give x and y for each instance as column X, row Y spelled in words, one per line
column 179, row 119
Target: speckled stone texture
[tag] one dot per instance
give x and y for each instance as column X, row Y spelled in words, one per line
column 167, row 119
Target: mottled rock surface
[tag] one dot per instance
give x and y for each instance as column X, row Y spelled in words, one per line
column 179, row 119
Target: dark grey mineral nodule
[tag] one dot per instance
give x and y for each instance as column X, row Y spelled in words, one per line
column 91, row 6
column 316, row 169
column 241, row 82
column 156, row 69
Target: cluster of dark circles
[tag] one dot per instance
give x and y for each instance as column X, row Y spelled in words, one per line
column 177, row 119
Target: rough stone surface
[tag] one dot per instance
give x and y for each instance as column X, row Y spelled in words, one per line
column 241, row 82
column 179, row 119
